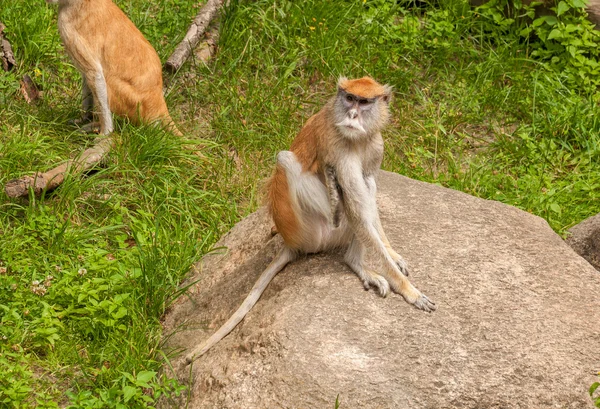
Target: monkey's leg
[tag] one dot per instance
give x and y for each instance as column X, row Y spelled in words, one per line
column 86, row 121
column 284, row 256
column 361, row 211
column 305, row 187
column 87, row 102
column 354, row 258
column 97, row 84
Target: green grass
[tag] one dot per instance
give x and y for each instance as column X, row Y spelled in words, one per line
column 471, row 112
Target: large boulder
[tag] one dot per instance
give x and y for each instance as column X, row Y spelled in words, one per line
column 584, row 238
column 517, row 325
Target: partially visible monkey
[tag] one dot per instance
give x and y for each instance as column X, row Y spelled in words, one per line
column 121, row 71
column 322, row 196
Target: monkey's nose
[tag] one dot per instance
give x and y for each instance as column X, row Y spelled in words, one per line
column 352, row 114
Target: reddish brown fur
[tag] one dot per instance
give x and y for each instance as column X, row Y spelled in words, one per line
column 365, row 87
column 281, row 210
column 97, row 31
column 304, row 147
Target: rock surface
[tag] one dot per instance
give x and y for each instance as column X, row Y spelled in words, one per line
column 517, row 324
column 585, row 240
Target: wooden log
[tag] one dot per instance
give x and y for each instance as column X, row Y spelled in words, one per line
column 207, row 48
column 206, row 14
column 7, row 58
column 54, row 177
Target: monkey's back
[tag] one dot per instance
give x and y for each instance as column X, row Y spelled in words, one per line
column 283, row 211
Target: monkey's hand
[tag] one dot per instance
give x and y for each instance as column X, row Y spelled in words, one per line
column 399, row 261
column 372, row 279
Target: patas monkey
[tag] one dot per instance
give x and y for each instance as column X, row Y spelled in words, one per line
column 322, row 196
column 121, row 71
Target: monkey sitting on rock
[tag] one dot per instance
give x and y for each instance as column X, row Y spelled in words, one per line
column 322, row 196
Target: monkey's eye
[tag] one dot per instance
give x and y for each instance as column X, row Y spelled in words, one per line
column 363, row 101
column 349, row 98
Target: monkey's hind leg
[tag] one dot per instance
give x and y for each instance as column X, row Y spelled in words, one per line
column 87, row 103
column 97, row 85
column 354, row 258
column 85, row 122
column 306, row 190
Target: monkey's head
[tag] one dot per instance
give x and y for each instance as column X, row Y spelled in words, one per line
column 361, row 107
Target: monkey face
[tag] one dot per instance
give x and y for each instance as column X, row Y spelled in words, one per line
column 354, row 113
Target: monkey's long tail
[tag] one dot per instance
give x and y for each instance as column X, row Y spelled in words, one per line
column 284, row 256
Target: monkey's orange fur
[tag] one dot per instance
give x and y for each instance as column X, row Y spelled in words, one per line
column 365, row 87
column 98, row 36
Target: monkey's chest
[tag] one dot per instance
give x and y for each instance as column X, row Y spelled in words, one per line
column 369, row 157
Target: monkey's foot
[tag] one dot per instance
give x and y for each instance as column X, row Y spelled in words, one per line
column 411, row 294
column 425, row 304
column 90, row 127
column 418, row 299
column 372, row 279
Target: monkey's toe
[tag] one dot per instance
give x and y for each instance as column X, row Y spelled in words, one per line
column 425, row 304
column 89, row 128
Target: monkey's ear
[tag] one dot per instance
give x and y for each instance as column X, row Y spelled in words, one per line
column 341, row 80
column 387, row 93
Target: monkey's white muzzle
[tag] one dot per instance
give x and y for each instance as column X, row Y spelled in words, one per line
column 353, row 124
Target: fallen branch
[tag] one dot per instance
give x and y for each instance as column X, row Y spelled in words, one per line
column 208, row 47
column 206, row 14
column 6, row 53
column 54, row 177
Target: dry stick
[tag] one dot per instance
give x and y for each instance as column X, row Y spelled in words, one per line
column 6, row 53
column 194, row 34
column 208, row 47
column 54, row 177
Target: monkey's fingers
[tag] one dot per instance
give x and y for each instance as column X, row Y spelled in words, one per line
column 399, row 261
column 377, row 281
column 402, row 266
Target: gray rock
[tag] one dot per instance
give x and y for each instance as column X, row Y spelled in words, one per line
column 585, row 240
column 517, row 324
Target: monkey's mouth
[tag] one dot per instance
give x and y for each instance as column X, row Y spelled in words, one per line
column 351, row 124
